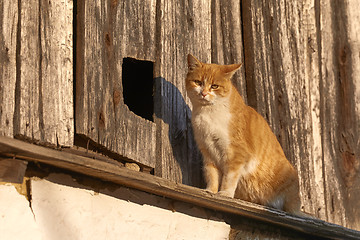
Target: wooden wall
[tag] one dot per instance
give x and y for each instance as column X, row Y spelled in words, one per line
column 107, row 32
column 300, row 71
column 36, row 68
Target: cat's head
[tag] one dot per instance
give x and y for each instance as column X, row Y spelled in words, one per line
column 208, row 84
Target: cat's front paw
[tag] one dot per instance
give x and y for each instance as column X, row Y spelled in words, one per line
column 225, row 194
column 209, row 190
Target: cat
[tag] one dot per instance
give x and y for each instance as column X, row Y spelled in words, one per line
column 241, row 156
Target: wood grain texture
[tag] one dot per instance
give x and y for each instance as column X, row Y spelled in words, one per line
column 183, row 27
column 300, row 78
column 227, row 40
column 276, row 43
column 340, row 114
column 109, row 31
column 56, row 104
column 8, row 38
column 210, row 30
column 163, row 187
column 36, row 81
column 12, row 170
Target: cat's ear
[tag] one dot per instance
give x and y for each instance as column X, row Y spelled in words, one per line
column 193, row 62
column 229, row 70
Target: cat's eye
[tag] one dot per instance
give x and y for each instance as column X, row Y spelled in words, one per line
column 214, row 86
column 198, row 82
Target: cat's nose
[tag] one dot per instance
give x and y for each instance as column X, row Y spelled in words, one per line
column 204, row 93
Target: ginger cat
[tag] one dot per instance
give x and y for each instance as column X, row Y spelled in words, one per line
column 242, row 157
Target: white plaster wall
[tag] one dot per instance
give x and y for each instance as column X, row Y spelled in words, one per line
column 70, row 211
column 16, row 219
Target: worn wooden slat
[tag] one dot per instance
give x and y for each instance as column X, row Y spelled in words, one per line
column 277, row 44
column 163, row 187
column 350, row 153
column 27, row 103
column 226, row 38
column 275, row 49
column 8, row 38
column 107, row 32
column 12, row 170
column 36, row 81
column 56, row 106
column 183, row 27
column 298, row 82
column 340, row 83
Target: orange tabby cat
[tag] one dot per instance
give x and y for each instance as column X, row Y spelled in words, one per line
column 242, row 157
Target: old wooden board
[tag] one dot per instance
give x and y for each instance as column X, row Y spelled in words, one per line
column 12, row 170
column 279, row 79
column 8, row 33
column 301, row 77
column 108, row 32
column 340, row 109
column 210, row 30
column 183, row 27
column 163, row 187
column 227, row 40
column 36, row 85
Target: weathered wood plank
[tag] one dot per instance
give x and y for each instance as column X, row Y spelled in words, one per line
column 183, row 27
column 56, row 106
column 282, row 58
column 12, row 170
column 27, row 103
column 351, row 153
column 36, row 82
column 264, row 64
column 107, row 32
column 8, row 38
column 298, row 82
column 226, row 38
column 340, row 111
column 163, row 187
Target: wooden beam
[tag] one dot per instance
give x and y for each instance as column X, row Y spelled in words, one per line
column 148, row 183
column 12, row 170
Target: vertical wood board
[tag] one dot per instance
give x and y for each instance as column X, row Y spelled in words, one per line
column 36, row 79
column 109, row 31
column 184, row 27
column 227, row 39
column 300, row 78
column 8, row 38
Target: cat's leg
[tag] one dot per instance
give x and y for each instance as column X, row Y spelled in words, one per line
column 212, row 177
column 229, row 182
column 292, row 202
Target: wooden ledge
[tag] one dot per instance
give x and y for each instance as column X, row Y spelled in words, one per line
column 17, row 149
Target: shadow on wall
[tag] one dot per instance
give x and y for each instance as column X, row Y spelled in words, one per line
column 171, row 107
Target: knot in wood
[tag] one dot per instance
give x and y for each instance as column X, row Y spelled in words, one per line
column 116, row 97
column 114, row 2
column 107, row 39
column 101, row 120
column 343, row 56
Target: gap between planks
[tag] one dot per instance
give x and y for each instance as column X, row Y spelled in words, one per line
column 16, row 149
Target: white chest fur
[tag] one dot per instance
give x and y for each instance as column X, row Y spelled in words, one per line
column 211, row 128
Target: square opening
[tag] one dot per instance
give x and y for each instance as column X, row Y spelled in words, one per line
column 138, row 82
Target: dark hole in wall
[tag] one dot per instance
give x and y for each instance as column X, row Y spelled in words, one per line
column 138, row 81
